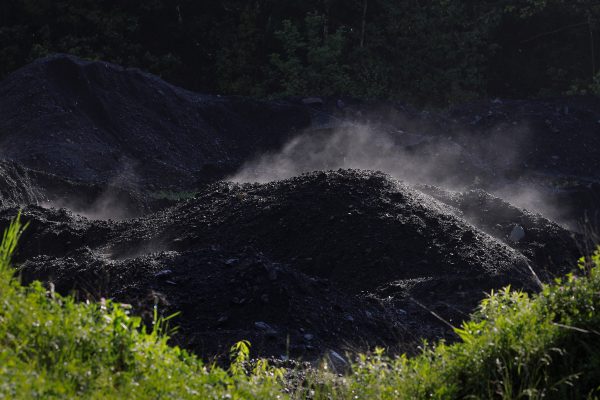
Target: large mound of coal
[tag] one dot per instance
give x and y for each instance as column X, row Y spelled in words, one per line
column 328, row 259
column 97, row 122
column 358, row 228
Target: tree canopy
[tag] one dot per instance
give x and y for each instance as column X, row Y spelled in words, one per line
column 431, row 52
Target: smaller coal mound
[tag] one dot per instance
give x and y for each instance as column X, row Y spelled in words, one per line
column 550, row 247
column 20, row 186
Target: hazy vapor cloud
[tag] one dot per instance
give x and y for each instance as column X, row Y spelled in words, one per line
column 453, row 163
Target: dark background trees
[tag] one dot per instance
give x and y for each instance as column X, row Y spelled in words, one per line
column 424, row 51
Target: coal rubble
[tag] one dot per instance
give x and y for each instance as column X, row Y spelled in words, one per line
column 342, row 260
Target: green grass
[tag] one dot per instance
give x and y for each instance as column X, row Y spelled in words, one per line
column 515, row 346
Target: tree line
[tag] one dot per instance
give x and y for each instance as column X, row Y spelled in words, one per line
column 433, row 52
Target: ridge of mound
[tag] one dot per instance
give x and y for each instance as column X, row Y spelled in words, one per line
column 97, row 122
column 549, row 246
column 358, row 228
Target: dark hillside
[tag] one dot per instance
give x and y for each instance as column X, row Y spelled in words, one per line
column 100, row 123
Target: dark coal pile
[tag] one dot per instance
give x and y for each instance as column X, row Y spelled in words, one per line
column 119, row 175
column 329, row 260
column 225, row 297
column 390, row 228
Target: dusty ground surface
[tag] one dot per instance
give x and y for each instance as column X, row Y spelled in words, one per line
column 120, row 175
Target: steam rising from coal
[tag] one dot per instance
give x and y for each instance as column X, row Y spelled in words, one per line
column 355, row 146
column 454, row 163
column 108, row 204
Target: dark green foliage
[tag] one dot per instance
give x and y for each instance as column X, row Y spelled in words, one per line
column 435, row 51
column 310, row 61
